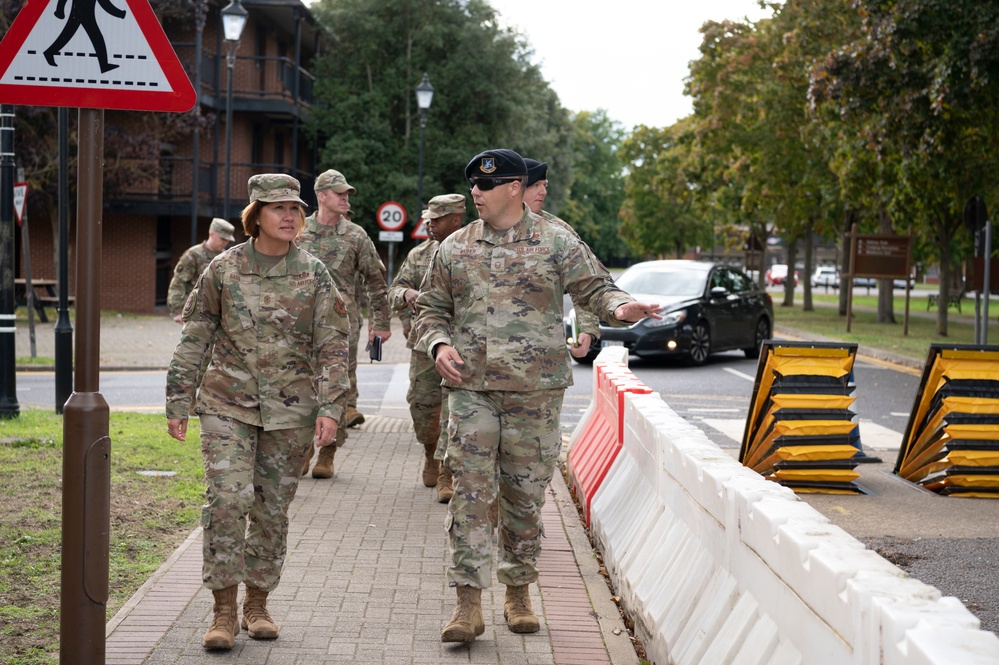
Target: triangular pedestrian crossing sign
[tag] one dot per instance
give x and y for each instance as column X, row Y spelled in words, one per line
column 420, row 232
column 111, row 54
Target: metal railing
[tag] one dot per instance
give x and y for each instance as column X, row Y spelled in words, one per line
column 170, row 180
column 256, row 77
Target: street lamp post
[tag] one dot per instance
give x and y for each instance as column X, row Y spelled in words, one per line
column 424, row 95
column 233, row 21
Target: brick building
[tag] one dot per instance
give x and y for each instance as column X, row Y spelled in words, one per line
column 151, row 220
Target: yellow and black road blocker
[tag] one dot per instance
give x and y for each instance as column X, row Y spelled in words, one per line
column 951, row 442
column 801, row 431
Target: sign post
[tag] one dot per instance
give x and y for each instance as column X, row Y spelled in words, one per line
column 391, row 219
column 121, row 59
column 20, row 196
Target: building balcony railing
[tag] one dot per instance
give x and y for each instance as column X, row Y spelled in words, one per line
column 262, row 78
column 170, row 181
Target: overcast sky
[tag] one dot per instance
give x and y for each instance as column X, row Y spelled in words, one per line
column 629, row 57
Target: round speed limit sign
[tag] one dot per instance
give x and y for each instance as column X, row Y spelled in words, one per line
column 391, row 216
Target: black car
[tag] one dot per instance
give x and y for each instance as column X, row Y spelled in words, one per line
column 707, row 307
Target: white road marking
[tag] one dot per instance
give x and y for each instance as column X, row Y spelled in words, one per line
column 900, row 414
column 878, row 437
column 739, row 374
column 712, row 410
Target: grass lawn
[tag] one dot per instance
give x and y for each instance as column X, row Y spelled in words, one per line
column 867, row 332
column 150, row 517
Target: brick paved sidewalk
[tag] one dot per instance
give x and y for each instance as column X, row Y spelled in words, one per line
column 364, row 580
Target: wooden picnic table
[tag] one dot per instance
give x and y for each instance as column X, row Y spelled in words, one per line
column 46, row 295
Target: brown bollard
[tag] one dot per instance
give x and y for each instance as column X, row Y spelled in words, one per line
column 86, row 525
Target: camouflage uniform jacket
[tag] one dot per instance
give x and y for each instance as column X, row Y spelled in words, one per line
column 410, row 276
column 185, row 275
column 278, row 340
column 585, row 321
column 345, row 249
column 496, row 297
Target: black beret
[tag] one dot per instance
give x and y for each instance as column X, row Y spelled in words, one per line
column 496, row 163
column 535, row 170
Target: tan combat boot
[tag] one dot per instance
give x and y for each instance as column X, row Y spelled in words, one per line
column 324, row 465
column 353, row 417
column 256, row 620
column 225, row 627
column 517, row 610
column 431, row 467
column 466, row 622
column 308, row 460
column 444, row 489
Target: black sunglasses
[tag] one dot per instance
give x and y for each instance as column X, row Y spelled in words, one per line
column 487, row 184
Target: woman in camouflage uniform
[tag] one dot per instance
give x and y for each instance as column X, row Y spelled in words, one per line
column 276, row 329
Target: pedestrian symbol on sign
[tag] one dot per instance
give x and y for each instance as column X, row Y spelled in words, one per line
column 83, row 13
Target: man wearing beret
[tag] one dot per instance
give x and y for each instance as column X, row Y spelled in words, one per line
column 490, row 315
column 443, row 216
column 348, row 253
column 587, row 325
column 193, row 262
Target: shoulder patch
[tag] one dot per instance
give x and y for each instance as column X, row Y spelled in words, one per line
column 339, row 307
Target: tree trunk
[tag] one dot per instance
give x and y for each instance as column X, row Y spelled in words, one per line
column 792, row 256
column 944, row 294
column 886, row 293
column 809, row 252
column 844, row 260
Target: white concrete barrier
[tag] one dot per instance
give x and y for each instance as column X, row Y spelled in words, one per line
column 717, row 565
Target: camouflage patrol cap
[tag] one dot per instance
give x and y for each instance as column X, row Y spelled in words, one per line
column 274, row 187
column 445, row 204
column 222, row 229
column 535, row 170
column 333, row 180
column 496, row 163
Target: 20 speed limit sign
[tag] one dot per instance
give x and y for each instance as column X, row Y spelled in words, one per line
column 391, row 216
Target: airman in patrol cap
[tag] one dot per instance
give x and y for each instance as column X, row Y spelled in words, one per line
column 347, row 251
column 443, row 216
column 275, row 327
column 193, row 262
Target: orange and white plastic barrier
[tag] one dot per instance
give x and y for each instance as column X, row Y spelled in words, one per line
column 717, row 565
column 597, row 440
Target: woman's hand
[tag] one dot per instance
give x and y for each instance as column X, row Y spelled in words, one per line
column 177, row 428
column 325, row 431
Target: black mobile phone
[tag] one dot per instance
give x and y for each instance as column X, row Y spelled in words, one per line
column 375, row 349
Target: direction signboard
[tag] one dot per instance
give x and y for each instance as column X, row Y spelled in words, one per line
column 391, row 216
column 111, row 54
column 882, row 256
column 20, row 196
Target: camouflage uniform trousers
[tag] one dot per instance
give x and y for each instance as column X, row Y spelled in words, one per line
column 505, row 444
column 425, row 397
column 251, row 477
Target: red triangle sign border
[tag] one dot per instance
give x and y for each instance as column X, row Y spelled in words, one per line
column 180, row 99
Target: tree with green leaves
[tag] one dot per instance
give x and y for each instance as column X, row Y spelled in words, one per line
column 487, row 95
column 593, row 204
column 918, row 88
column 661, row 215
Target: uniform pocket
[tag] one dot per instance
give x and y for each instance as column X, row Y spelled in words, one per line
column 551, row 446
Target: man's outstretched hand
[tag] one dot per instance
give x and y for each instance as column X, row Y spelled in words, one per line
column 636, row 311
